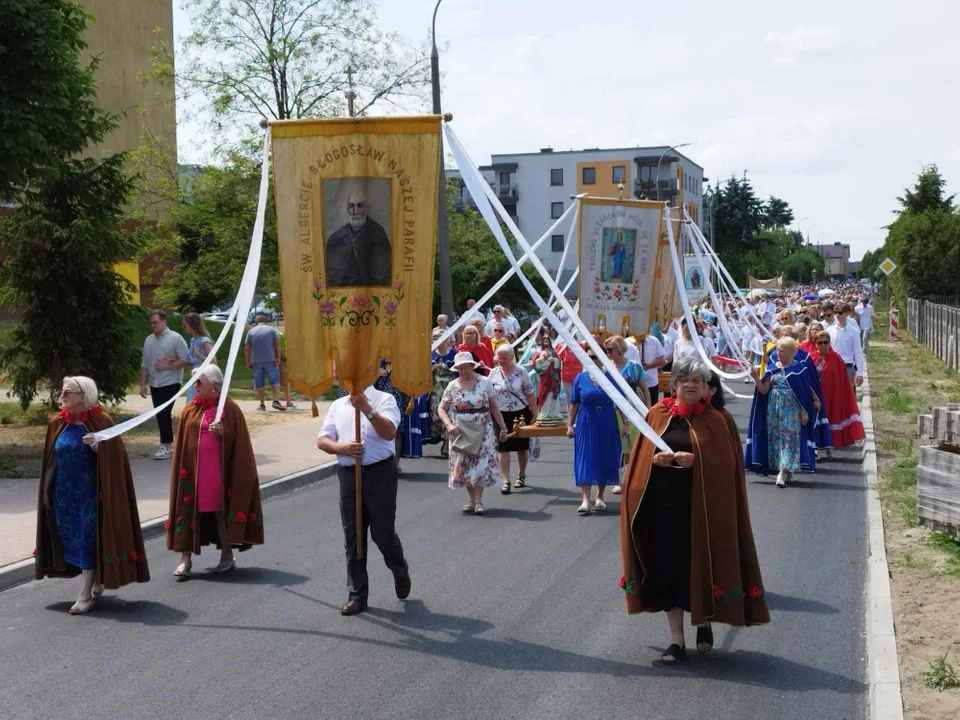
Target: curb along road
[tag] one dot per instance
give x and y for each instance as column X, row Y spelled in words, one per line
column 22, row 572
column 886, row 701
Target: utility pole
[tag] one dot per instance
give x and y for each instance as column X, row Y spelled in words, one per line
column 443, row 232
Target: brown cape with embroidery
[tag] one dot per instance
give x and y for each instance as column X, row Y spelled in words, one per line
column 120, row 555
column 188, row 530
column 725, row 582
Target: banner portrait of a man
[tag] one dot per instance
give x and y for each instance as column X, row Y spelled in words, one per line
column 357, row 251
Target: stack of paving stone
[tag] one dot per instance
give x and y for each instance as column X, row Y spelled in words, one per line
column 938, row 472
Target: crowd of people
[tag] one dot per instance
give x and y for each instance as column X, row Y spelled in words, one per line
column 686, row 539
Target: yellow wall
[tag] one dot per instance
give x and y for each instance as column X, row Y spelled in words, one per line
column 604, row 187
column 122, row 35
column 131, row 271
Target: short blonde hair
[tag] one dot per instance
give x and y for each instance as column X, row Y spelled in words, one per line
column 88, row 389
column 213, row 375
column 471, row 329
column 788, row 344
column 616, row 342
column 788, row 331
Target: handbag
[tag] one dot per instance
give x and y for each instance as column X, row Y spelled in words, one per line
column 469, row 437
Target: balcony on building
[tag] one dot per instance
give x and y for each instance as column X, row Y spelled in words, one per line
column 647, row 189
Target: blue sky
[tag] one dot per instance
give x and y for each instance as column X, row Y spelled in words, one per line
column 832, row 105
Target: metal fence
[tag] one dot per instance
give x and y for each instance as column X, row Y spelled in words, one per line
column 936, row 325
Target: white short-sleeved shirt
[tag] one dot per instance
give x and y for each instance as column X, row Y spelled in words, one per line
column 511, row 392
column 169, row 345
column 652, row 349
column 339, row 425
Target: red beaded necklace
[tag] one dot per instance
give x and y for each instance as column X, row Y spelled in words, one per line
column 69, row 418
column 207, row 402
column 684, row 411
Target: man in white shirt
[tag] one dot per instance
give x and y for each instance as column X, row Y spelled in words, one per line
column 865, row 316
column 652, row 358
column 380, row 418
column 499, row 319
column 510, row 324
column 766, row 310
column 165, row 355
column 846, row 342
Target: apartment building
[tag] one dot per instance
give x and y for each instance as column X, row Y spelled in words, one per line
column 535, row 188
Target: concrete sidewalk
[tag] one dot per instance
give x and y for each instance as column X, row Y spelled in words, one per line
column 281, row 450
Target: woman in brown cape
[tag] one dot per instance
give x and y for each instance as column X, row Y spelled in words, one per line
column 214, row 486
column 87, row 520
column 685, row 534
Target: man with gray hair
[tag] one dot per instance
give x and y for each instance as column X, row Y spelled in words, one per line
column 165, row 355
column 499, row 319
column 358, row 254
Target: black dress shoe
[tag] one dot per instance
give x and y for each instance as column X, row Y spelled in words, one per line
column 353, row 607
column 403, row 585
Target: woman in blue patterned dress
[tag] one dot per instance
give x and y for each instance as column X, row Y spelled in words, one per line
column 779, row 435
column 592, row 423
column 87, row 522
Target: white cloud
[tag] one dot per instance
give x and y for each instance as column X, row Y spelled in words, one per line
column 805, row 41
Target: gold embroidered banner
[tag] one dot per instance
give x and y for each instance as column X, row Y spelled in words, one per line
column 666, row 303
column 356, row 225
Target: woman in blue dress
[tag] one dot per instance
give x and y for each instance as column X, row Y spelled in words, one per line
column 87, row 520
column 200, row 344
column 592, row 423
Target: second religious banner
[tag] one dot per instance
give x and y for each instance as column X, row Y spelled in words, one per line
column 356, row 226
column 619, row 242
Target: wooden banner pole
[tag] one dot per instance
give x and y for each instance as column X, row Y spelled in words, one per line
column 358, row 489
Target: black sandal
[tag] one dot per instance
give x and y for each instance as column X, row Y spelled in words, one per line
column 505, row 489
column 521, row 481
column 678, row 653
column 704, row 636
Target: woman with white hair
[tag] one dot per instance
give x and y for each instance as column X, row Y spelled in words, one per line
column 514, row 393
column 214, row 487
column 87, row 520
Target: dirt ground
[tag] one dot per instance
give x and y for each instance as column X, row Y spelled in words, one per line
column 21, row 435
column 906, row 379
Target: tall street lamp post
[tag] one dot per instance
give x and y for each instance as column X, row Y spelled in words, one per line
column 672, row 147
column 443, row 234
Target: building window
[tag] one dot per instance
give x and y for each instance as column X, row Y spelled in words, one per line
column 619, row 173
column 556, row 243
column 556, row 177
column 589, row 176
column 505, row 179
column 556, row 210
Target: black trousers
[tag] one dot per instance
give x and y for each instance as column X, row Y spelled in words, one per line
column 379, row 515
column 160, row 395
column 654, row 395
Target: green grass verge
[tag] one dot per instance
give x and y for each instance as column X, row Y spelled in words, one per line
column 901, row 403
column 900, row 490
column 951, row 548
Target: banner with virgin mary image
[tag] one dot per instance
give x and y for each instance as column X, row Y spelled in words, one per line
column 618, row 257
column 356, row 227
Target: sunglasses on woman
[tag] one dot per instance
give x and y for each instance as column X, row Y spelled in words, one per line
column 823, row 342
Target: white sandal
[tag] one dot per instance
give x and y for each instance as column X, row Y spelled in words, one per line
column 469, row 507
column 184, row 570
column 97, row 590
column 224, row 566
column 82, row 607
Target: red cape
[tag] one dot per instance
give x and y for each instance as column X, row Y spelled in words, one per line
column 840, row 398
column 481, row 352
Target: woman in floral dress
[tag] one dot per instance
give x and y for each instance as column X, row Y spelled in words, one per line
column 470, row 409
column 442, row 360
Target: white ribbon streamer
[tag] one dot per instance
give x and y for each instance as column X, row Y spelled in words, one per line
column 536, row 326
column 235, row 319
column 502, row 281
column 477, row 187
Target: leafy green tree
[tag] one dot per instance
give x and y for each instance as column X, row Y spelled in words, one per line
column 801, row 264
column 927, row 193
column 478, row 262
column 738, row 217
column 60, row 243
column 777, row 213
column 48, row 104
column 203, row 246
column 282, row 59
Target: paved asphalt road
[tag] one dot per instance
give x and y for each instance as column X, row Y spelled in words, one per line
column 512, row 615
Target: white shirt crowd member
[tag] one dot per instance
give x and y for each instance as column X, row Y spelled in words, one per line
column 339, row 425
column 865, row 313
column 652, row 349
column 766, row 311
column 846, row 342
column 168, row 346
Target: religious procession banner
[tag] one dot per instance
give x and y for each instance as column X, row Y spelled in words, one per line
column 667, row 305
column 356, row 225
column 775, row 283
column 694, row 271
column 618, row 252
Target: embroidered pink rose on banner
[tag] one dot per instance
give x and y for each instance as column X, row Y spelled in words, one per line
column 318, row 285
column 398, row 285
column 390, row 308
column 328, row 307
column 360, row 302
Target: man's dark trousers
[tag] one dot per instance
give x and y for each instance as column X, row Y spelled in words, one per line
column 379, row 514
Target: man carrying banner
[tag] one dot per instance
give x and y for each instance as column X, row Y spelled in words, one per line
column 374, row 450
